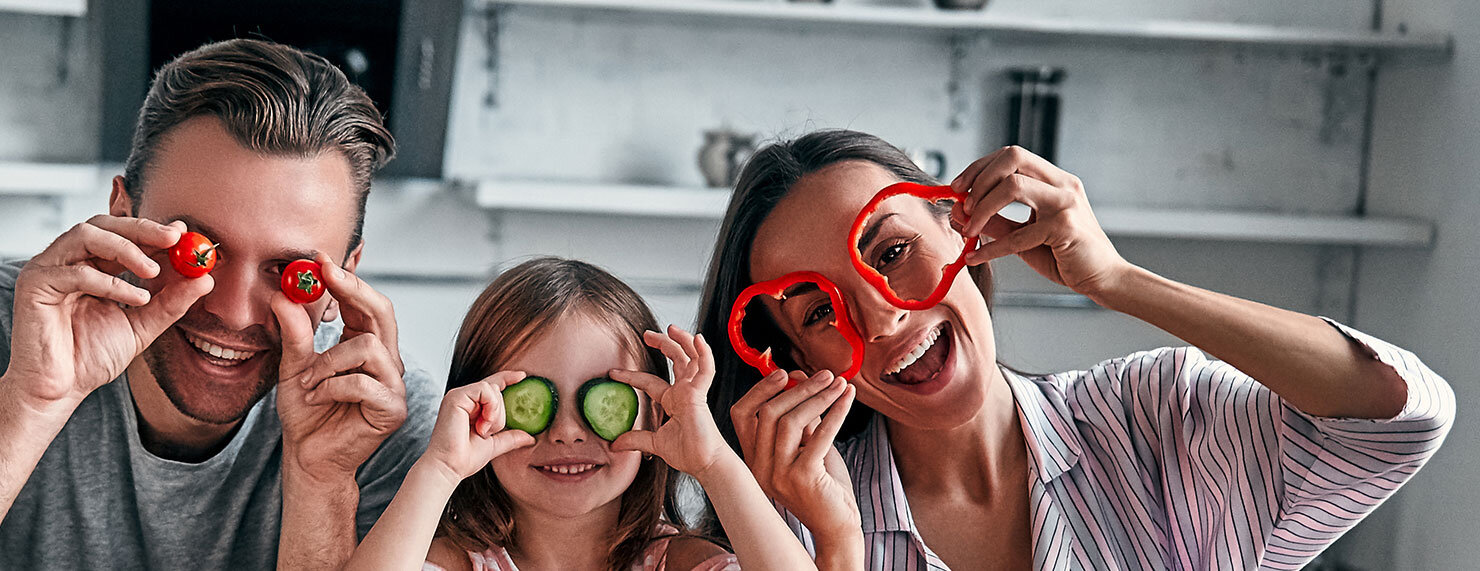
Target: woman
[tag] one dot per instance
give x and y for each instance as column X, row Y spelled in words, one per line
column 1161, row 460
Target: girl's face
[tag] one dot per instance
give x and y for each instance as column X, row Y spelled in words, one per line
column 942, row 388
column 570, row 471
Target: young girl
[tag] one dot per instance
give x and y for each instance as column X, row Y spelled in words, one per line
column 484, row 497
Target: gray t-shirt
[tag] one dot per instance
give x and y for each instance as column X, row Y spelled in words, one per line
column 99, row 500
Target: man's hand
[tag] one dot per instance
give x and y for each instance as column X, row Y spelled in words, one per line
column 77, row 326
column 338, row 406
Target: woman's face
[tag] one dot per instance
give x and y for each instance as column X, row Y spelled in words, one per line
column 570, row 471
column 942, row 387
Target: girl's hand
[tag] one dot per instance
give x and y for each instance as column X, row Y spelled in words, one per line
column 470, row 428
column 688, row 440
column 1062, row 240
column 787, row 438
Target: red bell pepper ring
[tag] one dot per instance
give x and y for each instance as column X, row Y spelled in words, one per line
column 876, row 279
column 776, row 289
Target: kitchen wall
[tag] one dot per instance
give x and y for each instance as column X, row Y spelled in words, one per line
column 598, row 99
column 1426, row 140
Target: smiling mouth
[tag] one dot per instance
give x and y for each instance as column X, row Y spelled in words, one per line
column 217, row 354
column 568, row 469
column 923, row 362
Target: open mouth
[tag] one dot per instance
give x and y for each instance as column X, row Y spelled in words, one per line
column 925, row 361
column 568, row 471
column 217, row 354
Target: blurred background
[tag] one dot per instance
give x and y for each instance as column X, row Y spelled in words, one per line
column 1317, row 155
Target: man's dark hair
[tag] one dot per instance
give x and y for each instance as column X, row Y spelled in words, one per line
column 273, row 99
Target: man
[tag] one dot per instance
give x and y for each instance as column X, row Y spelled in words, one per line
column 139, row 425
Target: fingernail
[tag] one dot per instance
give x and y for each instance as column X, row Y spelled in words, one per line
column 338, row 272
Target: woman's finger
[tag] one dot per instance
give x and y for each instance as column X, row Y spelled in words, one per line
column 962, row 182
column 1021, row 240
column 789, row 427
column 814, row 450
column 1014, row 188
column 743, row 412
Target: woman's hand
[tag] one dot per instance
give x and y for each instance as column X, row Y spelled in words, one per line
column 470, row 428
column 688, row 440
column 1062, row 240
column 787, row 438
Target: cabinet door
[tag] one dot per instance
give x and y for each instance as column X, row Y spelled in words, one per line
column 424, row 62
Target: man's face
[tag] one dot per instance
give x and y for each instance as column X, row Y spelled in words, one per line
column 265, row 211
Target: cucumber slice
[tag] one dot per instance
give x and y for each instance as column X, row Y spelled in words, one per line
column 608, row 407
column 529, row 405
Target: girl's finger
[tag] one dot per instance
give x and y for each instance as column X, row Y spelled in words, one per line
column 502, row 379
column 669, row 347
column 705, row 358
column 509, row 440
column 814, row 450
column 654, row 386
column 638, row 440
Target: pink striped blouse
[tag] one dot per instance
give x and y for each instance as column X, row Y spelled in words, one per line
column 1168, row 460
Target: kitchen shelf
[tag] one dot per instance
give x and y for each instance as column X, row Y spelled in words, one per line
column 1215, row 225
column 928, row 19
column 48, row 179
column 45, row 7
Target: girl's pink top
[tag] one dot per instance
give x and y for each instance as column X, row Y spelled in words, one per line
column 653, row 559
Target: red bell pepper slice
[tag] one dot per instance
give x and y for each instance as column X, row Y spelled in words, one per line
column 876, row 279
column 762, row 360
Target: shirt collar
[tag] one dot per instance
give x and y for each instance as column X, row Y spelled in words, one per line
column 1048, row 425
column 1053, row 448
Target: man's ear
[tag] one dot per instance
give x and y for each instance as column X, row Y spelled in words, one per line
column 119, row 204
column 352, row 261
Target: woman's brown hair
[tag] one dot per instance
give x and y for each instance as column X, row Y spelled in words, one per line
column 765, row 180
column 504, row 320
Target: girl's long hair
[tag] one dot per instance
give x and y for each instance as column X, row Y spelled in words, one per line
column 503, row 321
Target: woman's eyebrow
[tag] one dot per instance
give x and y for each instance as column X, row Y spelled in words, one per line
column 872, row 230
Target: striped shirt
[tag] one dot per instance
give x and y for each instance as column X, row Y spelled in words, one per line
column 1168, row 460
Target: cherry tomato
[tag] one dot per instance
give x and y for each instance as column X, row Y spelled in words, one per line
column 194, row 255
column 302, row 281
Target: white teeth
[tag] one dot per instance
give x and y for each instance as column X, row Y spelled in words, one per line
column 915, row 354
column 218, row 351
column 569, row 468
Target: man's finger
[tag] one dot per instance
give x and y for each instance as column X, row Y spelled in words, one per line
column 365, row 353
column 54, row 283
column 364, row 309
column 152, row 319
column 382, row 410
column 296, row 329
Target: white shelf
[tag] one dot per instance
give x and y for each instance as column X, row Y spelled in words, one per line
column 45, row 7
column 49, row 179
column 618, row 200
column 927, row 19
column 667, row 202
